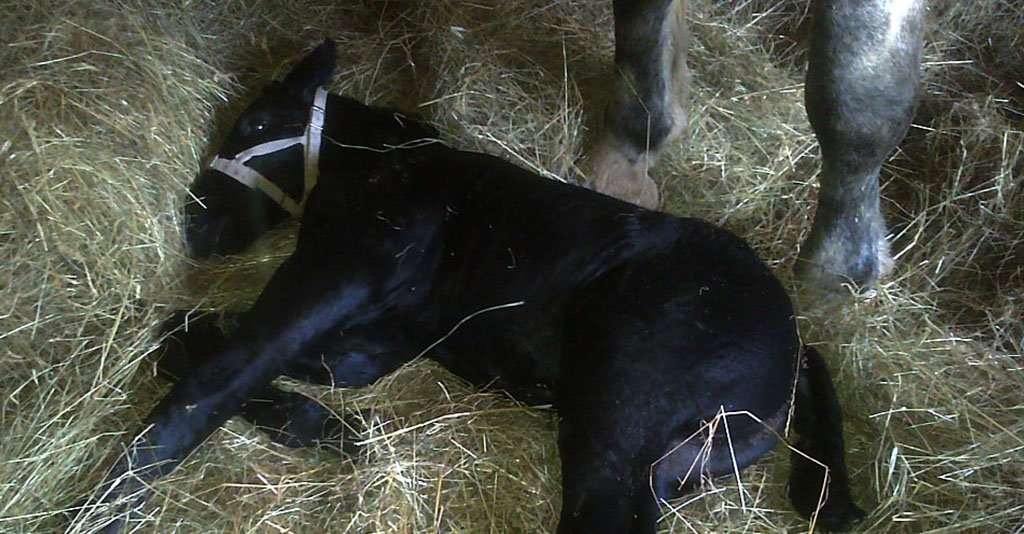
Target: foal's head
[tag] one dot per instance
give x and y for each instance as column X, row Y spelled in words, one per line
column 233, row 200
column 277, row 150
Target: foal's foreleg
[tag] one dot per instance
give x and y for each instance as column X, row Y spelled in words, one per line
column 350, row 359
column 288, row 418
column 299, row 304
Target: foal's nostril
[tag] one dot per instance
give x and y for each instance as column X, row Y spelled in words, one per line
column 185, row 226
column 199, row 225
column 194, row 245
column 203, row 236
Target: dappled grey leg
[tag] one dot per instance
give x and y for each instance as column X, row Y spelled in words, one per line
column 649, row 90
column 863, row 83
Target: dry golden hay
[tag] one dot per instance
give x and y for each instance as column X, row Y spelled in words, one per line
column 108, row 107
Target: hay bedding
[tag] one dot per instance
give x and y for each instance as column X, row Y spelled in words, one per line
column 107, row 107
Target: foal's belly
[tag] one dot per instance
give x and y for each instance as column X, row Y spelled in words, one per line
column 518, row 353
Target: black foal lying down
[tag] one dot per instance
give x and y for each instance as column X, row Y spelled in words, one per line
column 640, row 327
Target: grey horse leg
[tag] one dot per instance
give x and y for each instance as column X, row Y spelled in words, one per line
column 863, row 83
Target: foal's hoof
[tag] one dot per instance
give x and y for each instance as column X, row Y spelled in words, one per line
column 835, row 515
column 611, row 171
column 340, row 436
column 189, row 337
column 294, row 420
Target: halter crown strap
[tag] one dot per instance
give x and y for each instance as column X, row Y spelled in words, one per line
column 314, row 134
column 310, row 140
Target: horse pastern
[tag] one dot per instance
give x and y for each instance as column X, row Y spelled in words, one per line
column 838, row 257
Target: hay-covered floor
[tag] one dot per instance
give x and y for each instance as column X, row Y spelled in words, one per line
column 108, row 107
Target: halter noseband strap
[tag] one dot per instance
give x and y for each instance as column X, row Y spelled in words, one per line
column 310, row 140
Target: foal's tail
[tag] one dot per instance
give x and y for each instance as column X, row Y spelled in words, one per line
column 818, row 420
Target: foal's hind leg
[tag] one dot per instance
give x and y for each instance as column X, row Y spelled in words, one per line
column 862, row 88
column 604, row 480
column 649, row 91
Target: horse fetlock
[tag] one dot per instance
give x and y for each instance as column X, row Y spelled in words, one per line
column 845, row 247
column 650, row 83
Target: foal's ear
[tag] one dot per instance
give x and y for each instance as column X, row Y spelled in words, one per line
column 313, row 71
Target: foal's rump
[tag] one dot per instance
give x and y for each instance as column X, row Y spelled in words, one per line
column 656, row 349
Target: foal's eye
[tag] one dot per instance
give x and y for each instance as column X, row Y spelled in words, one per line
column 259, row 126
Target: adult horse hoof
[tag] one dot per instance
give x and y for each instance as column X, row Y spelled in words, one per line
column 611, row 171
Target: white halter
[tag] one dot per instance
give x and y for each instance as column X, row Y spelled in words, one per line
column 310, row 141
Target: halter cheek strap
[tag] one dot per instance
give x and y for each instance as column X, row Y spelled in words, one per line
column 310, row 140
